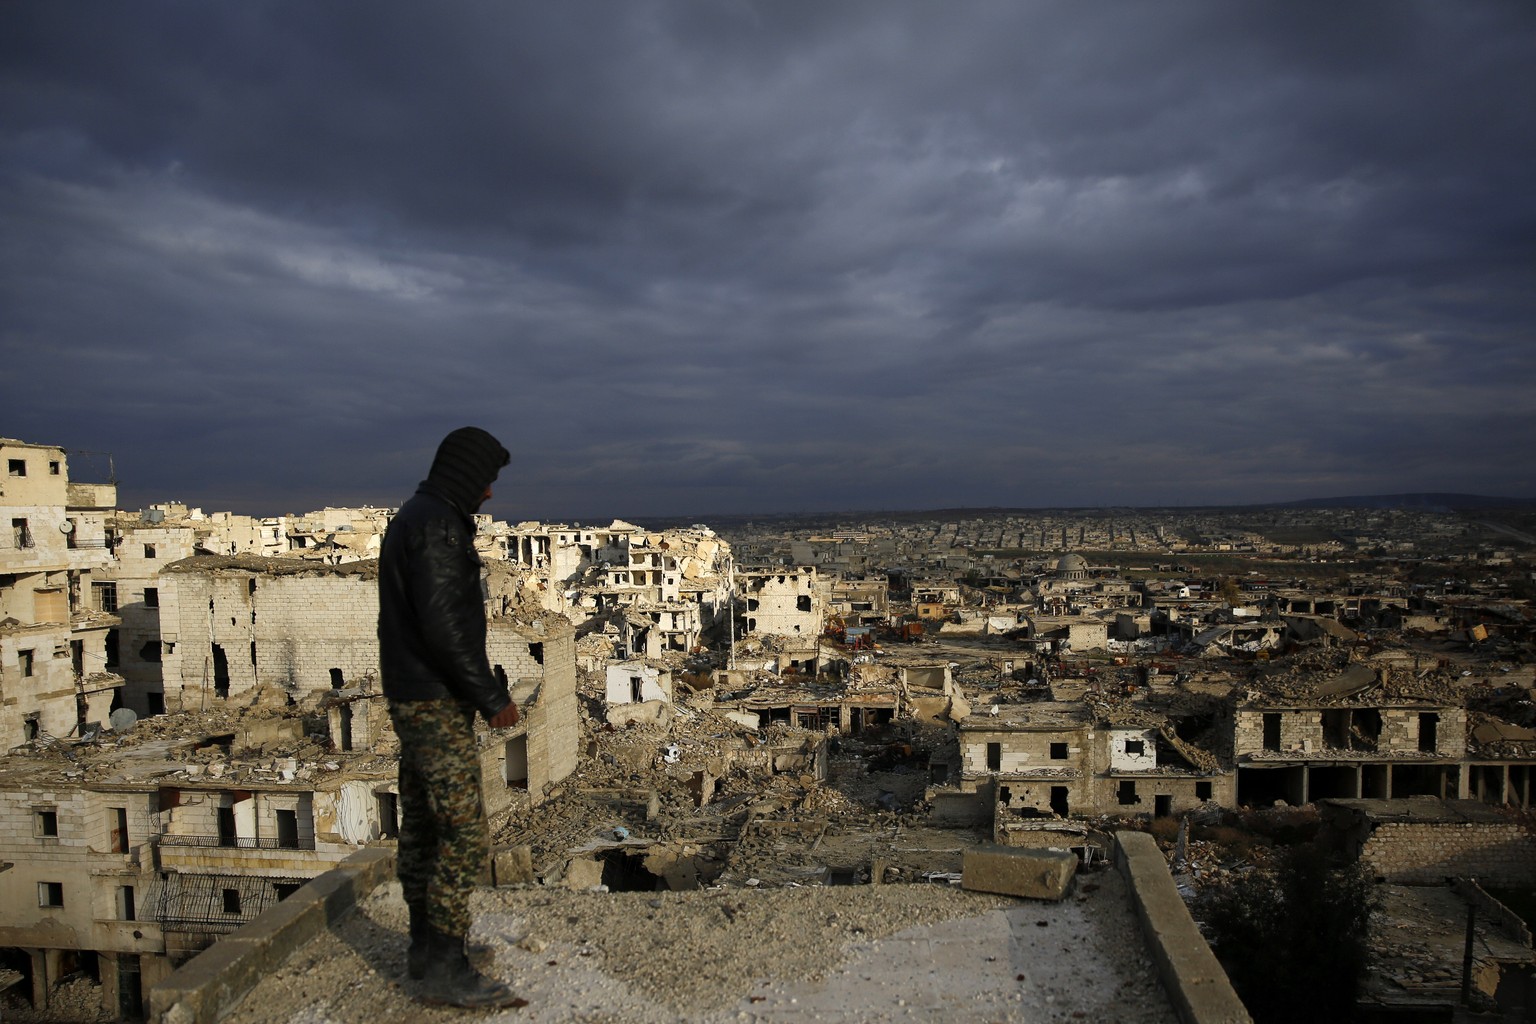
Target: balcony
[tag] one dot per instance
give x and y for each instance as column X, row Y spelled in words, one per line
column 240, row 842
column 269, row 856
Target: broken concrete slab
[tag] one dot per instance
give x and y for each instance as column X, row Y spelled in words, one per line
column 583, row 873
column 512, row 865
column 1032, row 874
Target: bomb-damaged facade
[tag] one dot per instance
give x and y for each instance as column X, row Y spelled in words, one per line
column 682, row 710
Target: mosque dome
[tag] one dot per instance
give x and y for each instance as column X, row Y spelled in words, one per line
column 1072, row 567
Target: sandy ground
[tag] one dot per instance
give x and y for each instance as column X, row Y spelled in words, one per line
column 850, row 954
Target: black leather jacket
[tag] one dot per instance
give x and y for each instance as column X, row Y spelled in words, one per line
column 432, row 608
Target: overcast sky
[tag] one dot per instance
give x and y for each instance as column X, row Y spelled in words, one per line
column 704, row 257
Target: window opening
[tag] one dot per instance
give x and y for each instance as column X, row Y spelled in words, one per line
column 1135, row 748
column 50, row 894
column 994, row 757
column 1126, row 794
column 1271, row 730
column 25, row 659
column 47, row 822
column 119, row 829
column 389, row 815
column 22, row 533
column 152, row 597
column 1058, row 751
column 220, row 672
column 288, row 830
column 231, row 901
column 1428, row 726
column 16, row 467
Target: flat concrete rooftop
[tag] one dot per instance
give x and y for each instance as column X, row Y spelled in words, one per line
column 852, row 954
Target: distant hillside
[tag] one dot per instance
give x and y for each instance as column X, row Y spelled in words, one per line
column 1435, row 501
column 1427, row 501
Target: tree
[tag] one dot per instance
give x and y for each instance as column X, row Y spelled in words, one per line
column 1293, row 938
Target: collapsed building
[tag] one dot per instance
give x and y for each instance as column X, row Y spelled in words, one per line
column 138, row 844
column 58, row 626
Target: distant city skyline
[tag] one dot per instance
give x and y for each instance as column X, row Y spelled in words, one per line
column 773, row 257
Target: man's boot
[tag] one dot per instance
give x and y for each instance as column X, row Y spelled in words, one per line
column 416, row 953
column 450, row 980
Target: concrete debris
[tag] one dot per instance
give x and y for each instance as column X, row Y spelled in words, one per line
column 1031, row 874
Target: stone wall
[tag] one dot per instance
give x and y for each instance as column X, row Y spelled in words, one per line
column 287, row 631
column 1430, row 852
column 1302, row 730
column 1025, row 751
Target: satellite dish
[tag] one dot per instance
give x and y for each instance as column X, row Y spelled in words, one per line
column 67, row 527
column 122, row 719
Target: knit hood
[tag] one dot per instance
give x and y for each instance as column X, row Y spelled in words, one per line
column 467, row 462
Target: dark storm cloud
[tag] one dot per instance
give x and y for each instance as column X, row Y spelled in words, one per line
column 758, row 256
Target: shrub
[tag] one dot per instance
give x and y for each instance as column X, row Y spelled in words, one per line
column 1293, row 938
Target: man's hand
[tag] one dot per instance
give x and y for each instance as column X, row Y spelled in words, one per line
column 506, row 718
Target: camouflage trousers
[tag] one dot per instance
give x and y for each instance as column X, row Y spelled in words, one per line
column 444, row 840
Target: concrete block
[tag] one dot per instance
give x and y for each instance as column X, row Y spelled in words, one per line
column 512, row 865
column 1033, row 874
column 583, row 873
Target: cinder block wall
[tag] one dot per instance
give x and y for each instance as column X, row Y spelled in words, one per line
column 1423, row 852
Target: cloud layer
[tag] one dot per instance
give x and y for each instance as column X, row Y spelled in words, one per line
column 773, row 256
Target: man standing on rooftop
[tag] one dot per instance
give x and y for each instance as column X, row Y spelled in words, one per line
column 436, row 676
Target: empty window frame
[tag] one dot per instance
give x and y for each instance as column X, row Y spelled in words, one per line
column 27, row 662
column 118, row 817
column 16, row 467
column 1135, row 748
column 231, row 901
column 45, row 822
column 152, row 597
column 1058, row 751
column 1271, row 730
column 994, row 757
column 288, row 830
column 50, row 894
column 1429, row 723
column 21, row 533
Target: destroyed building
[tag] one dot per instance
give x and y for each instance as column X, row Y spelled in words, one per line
column 134, row 851
column 58, row 624
column 852, row 703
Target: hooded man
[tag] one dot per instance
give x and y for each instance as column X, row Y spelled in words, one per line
column 436, row 676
